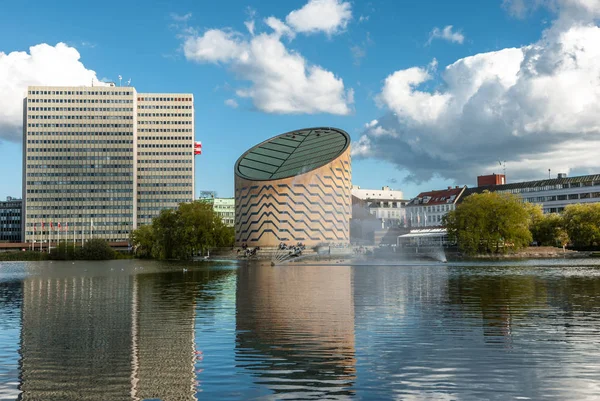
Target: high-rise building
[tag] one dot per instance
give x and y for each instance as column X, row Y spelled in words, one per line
column 104, row 160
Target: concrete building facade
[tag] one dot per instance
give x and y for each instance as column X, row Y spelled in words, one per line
column 428, row 208
column 295, row 187
column 10, row 220
column 225, row 208
column 104, row 158
column 385, row 204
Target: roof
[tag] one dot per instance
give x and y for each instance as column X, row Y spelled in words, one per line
column 431, row 232
column 441, row 197
column 293, row 153
column 533, row 184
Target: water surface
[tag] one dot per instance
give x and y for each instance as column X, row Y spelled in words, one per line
column 139, row 330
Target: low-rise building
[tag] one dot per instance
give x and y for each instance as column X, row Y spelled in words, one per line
column 225, row 208
column 428, row 208
column 10, row 220
column 553, row 194
column 385, row 204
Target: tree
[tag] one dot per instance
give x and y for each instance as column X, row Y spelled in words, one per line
column 96, row 249
column 182, row 233
column 549, row 230
column 582, row 224
column 491, row 222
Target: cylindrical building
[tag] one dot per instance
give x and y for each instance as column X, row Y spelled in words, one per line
column 295, row 187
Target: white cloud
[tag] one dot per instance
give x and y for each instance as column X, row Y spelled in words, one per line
column 250, row 26
column 181, row 17
column 329, row 16
column 280, row 28
column 537, row 107
column 447, row 34
column 231, row 103
column 214, row 46
column 281, row 80
column 371, row 124
column 43, row 65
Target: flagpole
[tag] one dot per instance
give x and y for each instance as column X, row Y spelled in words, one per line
column 82, row 232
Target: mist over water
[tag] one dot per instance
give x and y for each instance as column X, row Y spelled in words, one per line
column 133, row 330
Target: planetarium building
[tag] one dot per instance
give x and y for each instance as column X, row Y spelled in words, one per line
column 295, row 187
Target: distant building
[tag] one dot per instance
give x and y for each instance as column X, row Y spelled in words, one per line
column 10, row 220
column 385, row 204
column 552, row 194
column 225, row 208
column 428, row 208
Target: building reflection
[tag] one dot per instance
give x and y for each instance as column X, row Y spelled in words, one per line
column 111, row 337
column 295, row 330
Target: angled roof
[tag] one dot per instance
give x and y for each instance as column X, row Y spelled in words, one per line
column 533, row 186
column 292, row 153
column 441, row 197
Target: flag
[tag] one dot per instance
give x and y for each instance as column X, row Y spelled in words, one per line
column 42, row 226
column 51, row 226
column 197, row 148
column 34, row 229
column 59, row 226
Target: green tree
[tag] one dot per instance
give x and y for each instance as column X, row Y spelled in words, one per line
column 582, row 224
column 182, row 233
column 143, row 238
column 549, row 230
column 490, row 222
column 96, row 249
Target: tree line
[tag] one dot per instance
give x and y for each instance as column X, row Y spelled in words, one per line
column 493, row 222
column 191, row 229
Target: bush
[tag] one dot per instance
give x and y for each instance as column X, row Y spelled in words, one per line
column 14, row 256
column 96, row 249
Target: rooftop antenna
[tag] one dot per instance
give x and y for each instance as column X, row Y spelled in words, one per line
column 129, row 82
column 120, row 78
column 503, row 165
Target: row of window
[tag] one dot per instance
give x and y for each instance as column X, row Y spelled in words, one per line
column 100, row 109
column 165, row 130
column 166, row 107
column 77, row 117
column 164, row 138
column 164, row 145
column 86, row 207
column 588, row 183
column 72, row 100
column 79, row 191
column 80, row 216
column 79, row 133
column 164, row 169
column 111, row 174
column 164, row 99
column 11, row 218
column 4, row 212
column 164, row 192
column 85, row 92
column 165, row 153
column 163, row 184
column 86, row 199
column 81, row 141
column 79, row 166
column 435, row 208
column 164, row 122
column 164, row 177
column 79, row 157
column 164, row 114
column 586, row 195
column 79, row 182
column 167, row 161
column 74, row 150
column 167, row 200
column 73, row 125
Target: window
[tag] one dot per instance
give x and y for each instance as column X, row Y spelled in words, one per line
column 573, row 196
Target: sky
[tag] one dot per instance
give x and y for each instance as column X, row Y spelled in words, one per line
column 432, row 92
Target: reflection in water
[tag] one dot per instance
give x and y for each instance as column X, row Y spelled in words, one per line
column 109, row 337
column 296, row 330
column 432, row 332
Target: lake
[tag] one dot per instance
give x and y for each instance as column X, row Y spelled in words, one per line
column 145, row 330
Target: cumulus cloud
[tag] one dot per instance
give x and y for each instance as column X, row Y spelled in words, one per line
column 446, row 34
column 537, row 107
column 231, row 103
column 329, row 16
column 281, row 80
column 43, row 65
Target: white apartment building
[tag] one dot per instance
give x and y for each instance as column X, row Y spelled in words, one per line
column 104, row 158
column 429, row 208
column 385, row 204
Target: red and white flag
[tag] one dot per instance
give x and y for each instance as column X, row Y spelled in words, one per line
column 51, row 226
column 197, row 148
column 42, row 226
column 34, row 229
column 59, row 226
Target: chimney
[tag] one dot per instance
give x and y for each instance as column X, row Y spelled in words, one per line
column 449, row 187
column 562, row 175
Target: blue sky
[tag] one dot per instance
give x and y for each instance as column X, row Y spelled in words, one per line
column 145, row 43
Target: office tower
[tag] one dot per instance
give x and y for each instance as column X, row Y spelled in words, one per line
column 96, row 158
